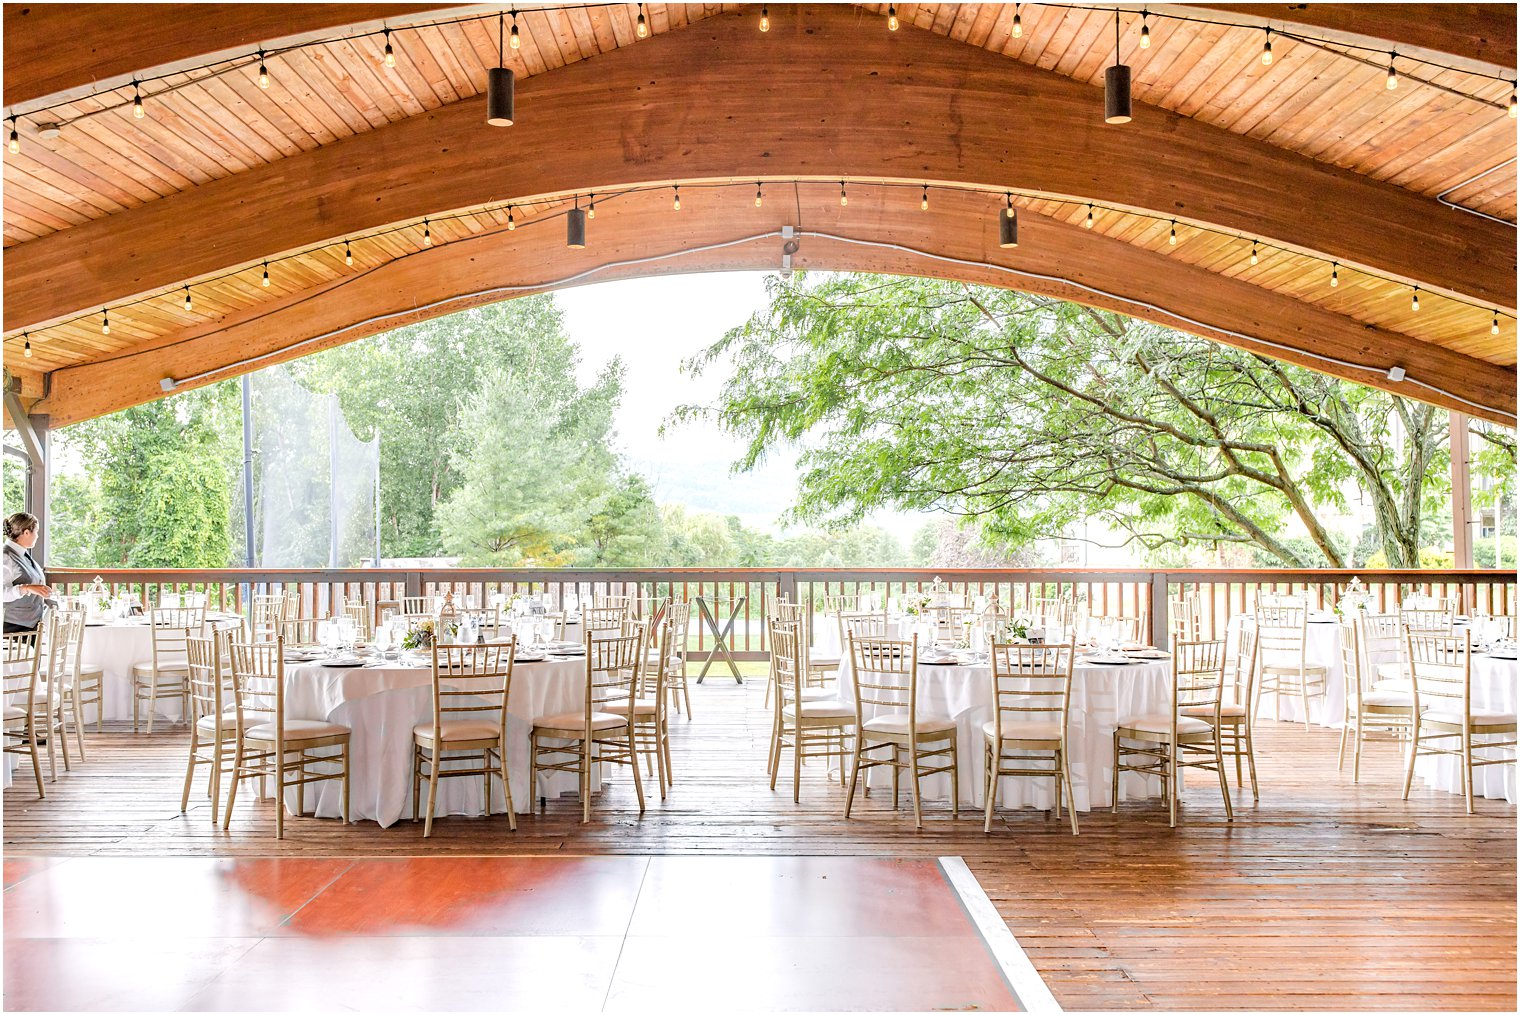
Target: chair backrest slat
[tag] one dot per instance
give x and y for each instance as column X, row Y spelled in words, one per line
column 1198, row 675
column 1031, row 683
column 473, row 680
column 1441, row 665
column 885, row 675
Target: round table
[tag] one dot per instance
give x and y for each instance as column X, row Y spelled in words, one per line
column 115, row 647
column 1101, row 695
column 1493, row 689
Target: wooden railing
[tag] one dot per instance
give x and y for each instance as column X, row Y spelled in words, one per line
column 1105, row 593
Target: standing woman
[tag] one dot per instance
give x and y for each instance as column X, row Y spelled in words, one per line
column 26, row 591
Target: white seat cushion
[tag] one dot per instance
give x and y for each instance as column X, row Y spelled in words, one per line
column 1402, row 684
column 822, row 708
column 1225, row 711
column 1388, row 699
column 1033, row 729
column 577, row 721
column 1480, row 717
column 1161, row 723
column 146, row 670
column 819, row 694
column 641, row 706
column 1291, row 668
column 209, row 723
column 898, row 724
column 297, row 729
column 460, row 729
column 1391, row 671
column 820, row 661
column 14, row 712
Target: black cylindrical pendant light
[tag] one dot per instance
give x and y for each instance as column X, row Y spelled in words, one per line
column 575, row 228
column 501, row 89
column 1008, row 228
column 1116, row 106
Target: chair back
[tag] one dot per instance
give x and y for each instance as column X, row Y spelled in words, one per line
column 1354, row 671
column 605, row 619
column 1435, row 620
column 886, row 677
column 75, row 660
column 862, row 625
column 614, row 670
column 300, row 632
column 1441, row 665
column 362, row 616
column 207, row 683
column 679, row 615
column 258, row 684
column 268, row 612
column 1198, row 676
column 1243, row 679
column 1422, row 601
column 604, row 601
column 1270, row 600
column 418, row 606
column 1031, row 683
column 1280, row 634
column 650, row 608
column 64, row 630
column 833, row 605
column 1050, row 612
column 787, row 612
column 787, row 667
column 472, row 682
column 170, row 629
column 23, row 664
column 1186, row 617
column 1382, row 639
column 1125, row 629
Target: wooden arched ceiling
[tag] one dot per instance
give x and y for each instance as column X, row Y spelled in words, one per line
column 1311, row 155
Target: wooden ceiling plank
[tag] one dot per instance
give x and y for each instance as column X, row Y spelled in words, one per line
column 324, row 101
column 382, row 85
column 34, row 176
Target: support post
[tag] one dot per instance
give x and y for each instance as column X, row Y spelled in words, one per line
column 1461, row 494
column 33, row 431
column 1160, row 587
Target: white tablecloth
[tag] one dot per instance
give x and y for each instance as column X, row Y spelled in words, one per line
column 1322, row 644
column 382, row 704
column 1100, row 696
column 114, row 649
column 1493, row 688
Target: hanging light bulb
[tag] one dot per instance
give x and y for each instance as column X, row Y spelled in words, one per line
column 15, row 138
column 575, row 227
column 1088, row 222
column 923, row 204
column 1495, row 329
column 27, row 349
column 1145, row 30
column 1018, row 23
column 427, row 234
column 844, row 198
column 105, row 322
column 1335, row 274
column 348, row 254
column 390, row 54
column 263, row 72
column 891, row 18
column 501, row 84
column 1393, row 75
column 675, row 205
column 137, row 106
column 1253, row 253
column 591, row 209
column 1116, row 99
column 1008, row 226
column 1414, row 299
column 516, row 39
column 642, row 29
column 765, row 19
column 1172, row 237
column 758, row 195
column 189, row 306
column 511, row 222
column 1266, row 50
column 265, row 282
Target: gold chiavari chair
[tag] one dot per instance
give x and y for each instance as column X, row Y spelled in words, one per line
column 862, row 625
column 1382, row 637
column 1442, row 668
column 1282, row 661
column 1282, row 600
column 784, row 612
column 810, row 728
column 1051, row 612
column 267, row 613
column 55, row 701
column 676, row 685
column 651, row 732
column 604, row 620
column 1186, row 617
column 604, row 601
column 1367, row 709
column 213, row 729
column 648, row 608
column 1031, row 692
column 168, row 672
column 418, row 606
column 270, row 745
column 22, row 670
column 471, row 685
column 86, row 684
column 593, row 734
column 886, row 681
column 1127, row 630
column 1187, row 735
column 300, row 633
column 834, row 605
column 363, row 617
column 1235, row 739
column 1435, row 620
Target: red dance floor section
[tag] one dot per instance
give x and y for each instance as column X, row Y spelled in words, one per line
column 500, row 933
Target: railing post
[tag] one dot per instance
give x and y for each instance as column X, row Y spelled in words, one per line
column 786, row 586
column 1160, row 628
column 413, row 583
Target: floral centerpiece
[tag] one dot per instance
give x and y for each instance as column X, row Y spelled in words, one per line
column 1354, row 600
column 917, row 604
column 420, row 636
column 1016, row 629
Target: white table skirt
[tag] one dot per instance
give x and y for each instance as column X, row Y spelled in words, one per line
column 382, row 705
column 1100, row 697
column 114, row 649
column 1493, row 688
column 1322, row 644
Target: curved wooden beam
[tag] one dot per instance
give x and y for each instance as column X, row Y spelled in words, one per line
column 958, row 241
column 814, row 96
column 1483, row 32
column 52, row 48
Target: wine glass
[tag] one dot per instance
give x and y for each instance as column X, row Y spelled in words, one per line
column 382, row 639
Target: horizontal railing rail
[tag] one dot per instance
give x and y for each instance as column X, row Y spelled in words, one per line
column 746, row 593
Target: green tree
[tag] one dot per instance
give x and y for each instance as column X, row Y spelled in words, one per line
column 1029, row 414
column 624, row 527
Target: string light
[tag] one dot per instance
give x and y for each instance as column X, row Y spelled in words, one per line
column 137, row 106
column 105, row 322
column 501, row 84
column 348, row 254
column 1414, row 299
column 1172, row 238
column 675, row 204
column 765, row 19
column 1145, row 30
column 189, row 306
column 27, row 349
column 265, row 281
column 1088, row 222
column 844, row 198
column 1393, row 75
column 427, row 233
column 15, row 138
column 758, row 195
column 591, row 209
column 1266, row 50
column 390, row 54
column 1495, row 329
column 516, row 42
column 923, row 204
column 1008, row 197
column 1116, row 104
column 642, row 29
column 891, row 18
column 1335, row 274
column 263, row 72
column 1008, row 226
column 511, row 222
column 1253, row 253
column 1018, row 23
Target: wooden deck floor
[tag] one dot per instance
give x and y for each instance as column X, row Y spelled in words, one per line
column 1325, row 896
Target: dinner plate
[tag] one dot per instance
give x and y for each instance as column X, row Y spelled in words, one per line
column 1109, row 660
column 937, row 662
column 1152, row 653
column 342, row 664
column 1504, row 654
column 530, row 659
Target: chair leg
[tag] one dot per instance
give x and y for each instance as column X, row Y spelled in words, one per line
column 237, row 772
column 1414, row 752
column 1117, row 759
column 918, row 817
column 345, row 783
column 1250, row 750
column 506, row 785
column 1340, row 756
column 435, row 761
column 955, row 777
column 1071, row 797
column 1171, row 779
column 152, row 703
column 216, row 778
column 1356, row 753
column 989, row 781
column 1235, row 735
column 184, row 799
column 31, row 737
column 1467, row 768
column 1303, row 696
column 849, row 797
column 416, row 782
column 633, row 757
column 585, row 778
column 797, row 763
column 1224, row 781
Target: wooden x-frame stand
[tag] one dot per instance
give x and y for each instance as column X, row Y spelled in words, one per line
column 720, row 638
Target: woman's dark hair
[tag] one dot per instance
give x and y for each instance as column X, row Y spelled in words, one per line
column 18, row 524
